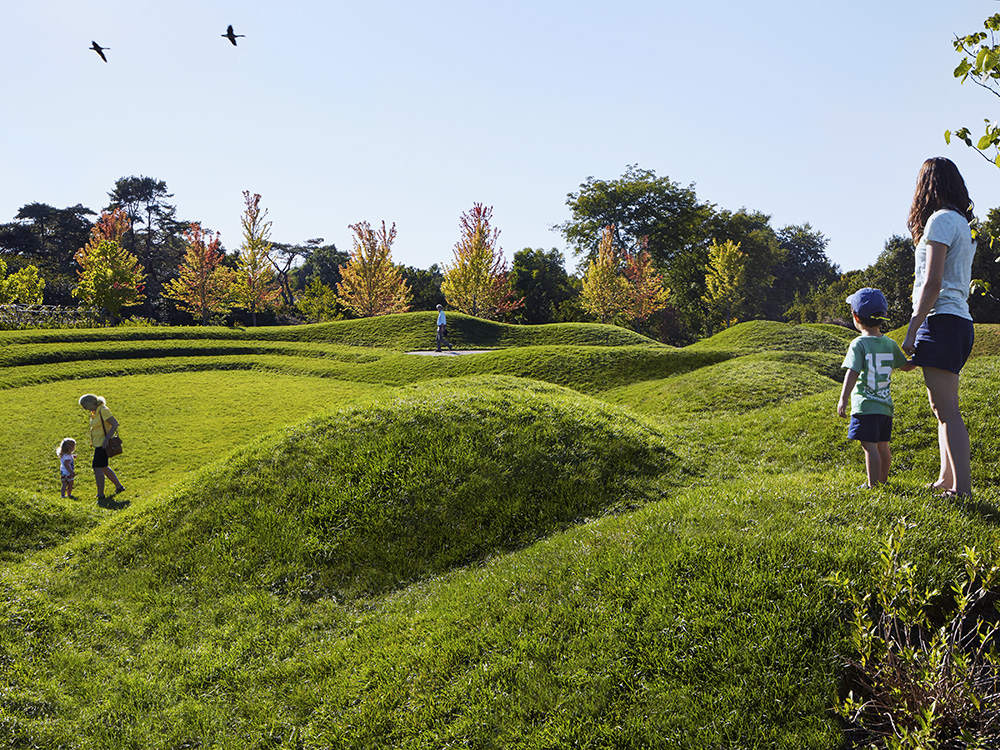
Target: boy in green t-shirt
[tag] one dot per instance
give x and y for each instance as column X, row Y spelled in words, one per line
column 870, row 360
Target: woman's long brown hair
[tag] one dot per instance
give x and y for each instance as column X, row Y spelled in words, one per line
column 939, row 185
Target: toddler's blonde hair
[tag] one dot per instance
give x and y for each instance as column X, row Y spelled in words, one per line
column 66, row 445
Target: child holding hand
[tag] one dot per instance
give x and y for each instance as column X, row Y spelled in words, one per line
column 870, row 360
column 67, row 465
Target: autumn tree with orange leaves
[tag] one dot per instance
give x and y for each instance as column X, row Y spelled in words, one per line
column 370, row 283
column 110, row 277
column 478, row 282
column 647, row 293
column 204, row 286
column 622, row 287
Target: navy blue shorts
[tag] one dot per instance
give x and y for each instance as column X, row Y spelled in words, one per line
column 100, row 458
column 945, row 342
column 870, row 428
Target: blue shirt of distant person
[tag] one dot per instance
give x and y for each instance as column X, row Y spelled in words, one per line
column 441, row 323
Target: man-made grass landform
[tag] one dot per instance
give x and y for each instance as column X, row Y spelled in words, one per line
column 581, row 538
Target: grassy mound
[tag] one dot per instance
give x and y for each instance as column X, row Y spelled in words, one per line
column 585, row 368
column 404, row 332
column 31, row 522
column 733, row 386
column 987, row 340
column 363, row 500
column 767, row 335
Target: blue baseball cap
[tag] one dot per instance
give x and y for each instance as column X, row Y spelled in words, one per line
column 868, row 303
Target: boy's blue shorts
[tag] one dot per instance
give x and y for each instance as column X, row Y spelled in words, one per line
column 870, row 428
column 944, row 341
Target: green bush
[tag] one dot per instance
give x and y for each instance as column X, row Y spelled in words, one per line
column 919, row 680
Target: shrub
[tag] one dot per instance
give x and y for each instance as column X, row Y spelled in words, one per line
column 917, row 686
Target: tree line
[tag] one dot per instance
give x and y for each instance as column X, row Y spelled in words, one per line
column 652, row 256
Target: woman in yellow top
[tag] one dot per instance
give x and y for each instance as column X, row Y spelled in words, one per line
column 102, row 426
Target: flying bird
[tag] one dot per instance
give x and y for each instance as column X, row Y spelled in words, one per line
column 230, row 35
column 99, row 50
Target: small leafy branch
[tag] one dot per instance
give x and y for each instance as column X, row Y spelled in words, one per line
column 981, row 64
column 917, row 686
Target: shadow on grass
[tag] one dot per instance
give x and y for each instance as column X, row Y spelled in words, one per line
column 109, row 503
column 971, row 506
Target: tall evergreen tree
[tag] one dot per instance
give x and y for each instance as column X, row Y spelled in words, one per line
column 159, row 245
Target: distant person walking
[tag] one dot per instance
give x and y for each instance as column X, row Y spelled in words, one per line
column 940, row 335
column 102, row 427
column 442, row 325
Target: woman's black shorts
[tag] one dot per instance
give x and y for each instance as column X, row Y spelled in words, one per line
column 100, row 458
column 944, row 341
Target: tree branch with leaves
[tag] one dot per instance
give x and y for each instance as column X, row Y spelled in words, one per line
column 981, row 65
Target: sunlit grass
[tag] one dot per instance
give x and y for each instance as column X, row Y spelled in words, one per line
column 337, row 546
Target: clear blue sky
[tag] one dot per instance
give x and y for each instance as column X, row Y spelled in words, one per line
column 412, row 111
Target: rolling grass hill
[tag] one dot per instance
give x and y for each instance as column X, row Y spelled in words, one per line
column 581, row 539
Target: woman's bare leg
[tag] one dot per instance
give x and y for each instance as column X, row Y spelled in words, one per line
column 953, row 436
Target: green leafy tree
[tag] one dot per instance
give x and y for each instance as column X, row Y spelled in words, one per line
column 24, row 286
column 323, row 261
column 803, row 267
column 984, row 302
column 255, row 289
column 892, row 272
column 651, row 212
column 478, row 283
column 827, row 304
column 286, row 260
column 48, row 238
column 318, row 302
column 371, row 284
column 606, row 293
column 110, row 277
column 204, row 286
column 425, row 286
column 758, row 242
column 540, row 278
column 644, row 210
column 725, row 281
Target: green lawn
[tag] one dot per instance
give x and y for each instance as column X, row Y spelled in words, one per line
column 582, row 539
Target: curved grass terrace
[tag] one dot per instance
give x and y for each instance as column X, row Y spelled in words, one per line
column 580, row 538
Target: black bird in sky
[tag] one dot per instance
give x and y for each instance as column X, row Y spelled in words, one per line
column 230, row 35
column 99, row 50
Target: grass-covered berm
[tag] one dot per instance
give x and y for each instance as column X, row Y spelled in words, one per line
column 580, row 538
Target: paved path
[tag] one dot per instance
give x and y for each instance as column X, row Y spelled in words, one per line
column 433, row 353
